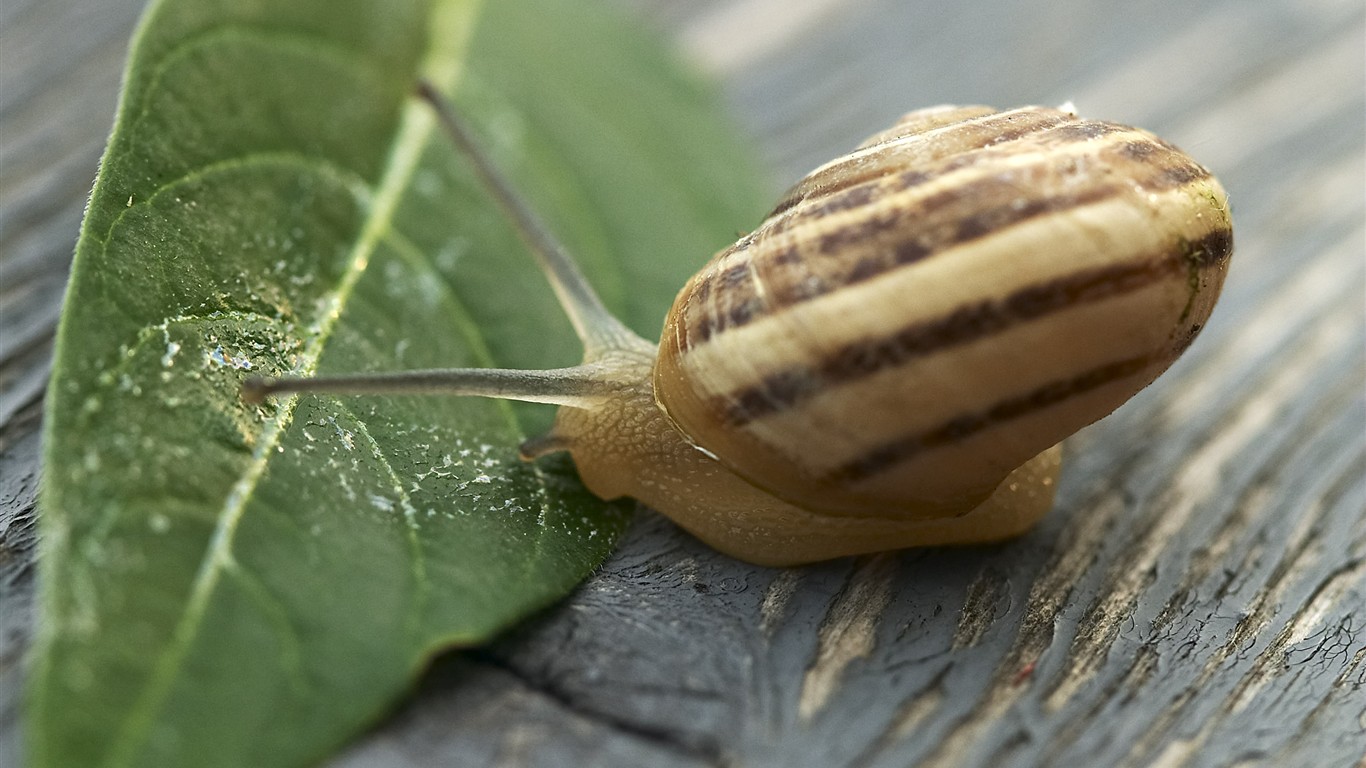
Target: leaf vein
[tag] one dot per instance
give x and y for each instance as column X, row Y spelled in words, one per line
column 319, row 166
column 293, row 39
column 291, row 657
column 412, row 530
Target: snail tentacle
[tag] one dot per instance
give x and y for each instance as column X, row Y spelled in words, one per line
column 580, row 386
column 596, row 327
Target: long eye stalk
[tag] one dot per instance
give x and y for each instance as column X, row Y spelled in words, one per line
column 579, row 387
column 596, row 327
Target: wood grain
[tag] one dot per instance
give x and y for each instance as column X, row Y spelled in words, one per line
column 1196, row 598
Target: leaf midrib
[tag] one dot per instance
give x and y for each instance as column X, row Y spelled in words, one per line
column 442, row 63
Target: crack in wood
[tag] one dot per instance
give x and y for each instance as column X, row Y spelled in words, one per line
column 708, row 751
column 1299, row 557
column 1326, row 597
column 1336, row 696
column 981, row 608
column 773, row 609
column 1075, row 551
column 1192, row 492
column 848, row 631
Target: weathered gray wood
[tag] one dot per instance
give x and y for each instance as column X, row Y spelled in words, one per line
column 1198, row 598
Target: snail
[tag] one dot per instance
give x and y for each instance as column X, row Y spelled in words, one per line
column 893, row 356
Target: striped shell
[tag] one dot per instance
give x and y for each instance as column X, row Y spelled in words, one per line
column 918, row 318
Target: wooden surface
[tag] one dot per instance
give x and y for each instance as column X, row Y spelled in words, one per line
column 1198, row 597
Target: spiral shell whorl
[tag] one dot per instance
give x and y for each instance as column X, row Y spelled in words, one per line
column 920, row 317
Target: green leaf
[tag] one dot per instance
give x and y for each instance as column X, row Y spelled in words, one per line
column 233, row 585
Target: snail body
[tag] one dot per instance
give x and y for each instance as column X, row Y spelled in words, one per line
column 627, row 446
column 892, row 357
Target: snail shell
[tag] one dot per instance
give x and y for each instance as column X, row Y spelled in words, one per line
column 893, row 356
column 920, row 317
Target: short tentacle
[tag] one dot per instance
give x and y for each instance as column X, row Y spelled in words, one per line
column 536, row 447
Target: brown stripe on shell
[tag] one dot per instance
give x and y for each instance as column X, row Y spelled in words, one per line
column 884, row 154
column 866, row 357
column 1041, row 137
column 942, row 220
column 838, row 190
column 890, row 454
